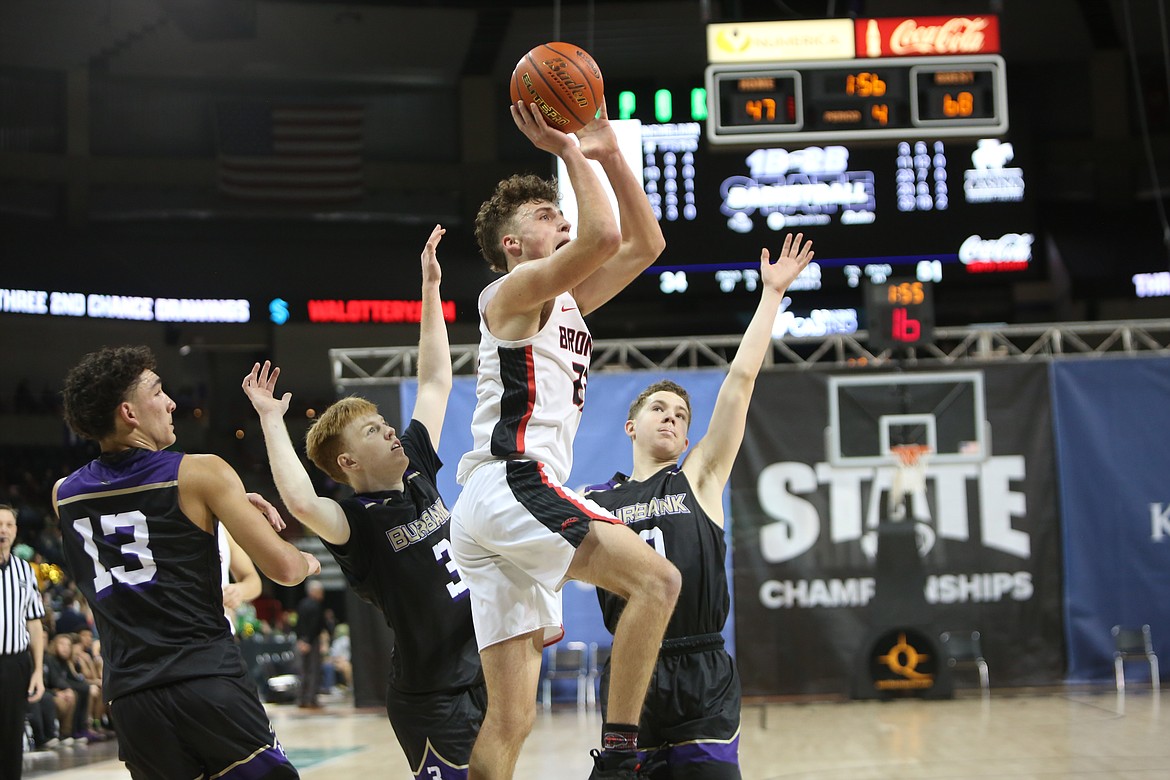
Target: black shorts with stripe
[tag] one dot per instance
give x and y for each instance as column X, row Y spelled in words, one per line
column 202, row 727
column 690, row 721
column 437, row 730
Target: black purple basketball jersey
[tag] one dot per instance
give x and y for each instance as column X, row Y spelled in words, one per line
column 664, row 511
column 398, row 558
column 151, row 576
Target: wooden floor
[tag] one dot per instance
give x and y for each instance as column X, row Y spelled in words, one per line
column 1024, row 735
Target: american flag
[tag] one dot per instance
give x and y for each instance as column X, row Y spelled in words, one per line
column 290, row 153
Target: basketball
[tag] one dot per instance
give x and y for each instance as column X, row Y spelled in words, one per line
column 563, row 81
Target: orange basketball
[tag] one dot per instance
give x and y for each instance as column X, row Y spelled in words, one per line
column 563, row 81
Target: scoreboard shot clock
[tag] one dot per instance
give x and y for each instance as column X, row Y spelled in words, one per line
column 900, row 313
column 894, row 97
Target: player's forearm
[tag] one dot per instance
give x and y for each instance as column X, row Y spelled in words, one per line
column 288, row 567
column 292, row 481
column 642, row 239
column 757, row 338
column 248, row 586
column 320, row 515
column 434, row 349
column 597, row 229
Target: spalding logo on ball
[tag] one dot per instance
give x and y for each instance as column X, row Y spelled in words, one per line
column 563, row 81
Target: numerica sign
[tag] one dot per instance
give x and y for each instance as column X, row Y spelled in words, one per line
column 845, row 39
column 921, row 36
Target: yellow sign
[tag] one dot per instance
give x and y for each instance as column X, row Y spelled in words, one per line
column 816, row 39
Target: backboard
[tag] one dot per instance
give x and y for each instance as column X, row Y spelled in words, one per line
column 869, row 414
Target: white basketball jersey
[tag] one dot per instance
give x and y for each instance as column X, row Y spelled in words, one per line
column 530, row 393
column 225, row 567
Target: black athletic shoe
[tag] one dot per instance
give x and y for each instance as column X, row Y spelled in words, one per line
column 615, row 766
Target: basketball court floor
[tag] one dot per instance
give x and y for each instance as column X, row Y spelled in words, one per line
column 1011, row 735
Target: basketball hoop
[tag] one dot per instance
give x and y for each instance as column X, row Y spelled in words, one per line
column 910, row 477
column 909, row 455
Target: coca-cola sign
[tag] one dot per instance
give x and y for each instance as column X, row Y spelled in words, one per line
column 924, row 36
column 1009, row 252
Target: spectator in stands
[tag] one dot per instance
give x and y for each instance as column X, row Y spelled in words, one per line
column 42, row 719
column 50, row 619
column 310, row 624
column 63, row 679
column 91, row 646
column 48, row 543
column 84, row 663
column 70, row 618
column 340, row 655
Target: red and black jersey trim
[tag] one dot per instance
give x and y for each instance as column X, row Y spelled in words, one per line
column 518, row 377
column 550, row 503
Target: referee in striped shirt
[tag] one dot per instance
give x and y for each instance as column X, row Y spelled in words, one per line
column 22, row 644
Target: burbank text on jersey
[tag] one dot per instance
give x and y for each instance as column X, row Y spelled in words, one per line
column 432, row 519
column 655, row 507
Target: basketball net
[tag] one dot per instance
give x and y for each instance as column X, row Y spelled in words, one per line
column 909, row 478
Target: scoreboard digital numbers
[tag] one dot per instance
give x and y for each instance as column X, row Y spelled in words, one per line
column 893, row 97
column 900, row 314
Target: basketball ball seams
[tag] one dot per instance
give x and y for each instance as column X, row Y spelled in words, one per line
column 550, row 112
column 563, row 89
column 580, row 61
column 563, row 81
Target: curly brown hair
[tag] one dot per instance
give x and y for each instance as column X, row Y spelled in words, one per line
column 661, row 384
column 101, row 381
column 495, row 216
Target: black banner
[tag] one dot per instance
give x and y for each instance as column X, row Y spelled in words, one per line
column 833, row 594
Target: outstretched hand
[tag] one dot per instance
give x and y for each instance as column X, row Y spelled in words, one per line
column 598, row 138
column 531, row 122
column 794, row 257
column 260, row 387
column 431, row 272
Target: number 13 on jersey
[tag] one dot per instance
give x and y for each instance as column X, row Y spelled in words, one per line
column 137, row 565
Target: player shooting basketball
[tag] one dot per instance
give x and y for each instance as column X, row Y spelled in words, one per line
column 518, row 534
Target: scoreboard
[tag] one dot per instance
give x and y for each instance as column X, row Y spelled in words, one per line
column 953, row 212
column 900, row 313
column 862, row 99
column 884, row 140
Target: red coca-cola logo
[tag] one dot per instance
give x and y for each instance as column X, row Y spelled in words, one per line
column 958, row 35
column 902, row 36
column 1009, row 252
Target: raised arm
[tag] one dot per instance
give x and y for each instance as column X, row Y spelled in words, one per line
column 642, row 240
column 514, row 311
column 323, row 516
column 434, row 350
column 210, row 488
column 708, row 465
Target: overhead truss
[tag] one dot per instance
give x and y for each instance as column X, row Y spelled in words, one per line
column 951, row 346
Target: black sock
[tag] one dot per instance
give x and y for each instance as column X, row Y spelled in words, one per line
column 619, row 737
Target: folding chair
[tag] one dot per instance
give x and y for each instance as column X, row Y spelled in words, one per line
column 1134, row 644
column 964, row 649
column 566, row 663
